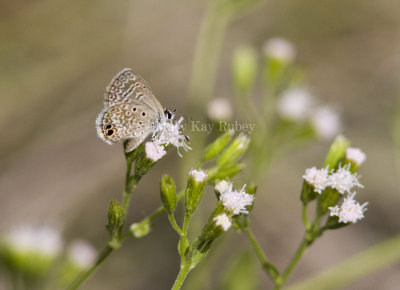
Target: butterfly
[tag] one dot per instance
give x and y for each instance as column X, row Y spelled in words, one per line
column 131, row 111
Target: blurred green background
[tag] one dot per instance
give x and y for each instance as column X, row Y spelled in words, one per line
column 56, row 58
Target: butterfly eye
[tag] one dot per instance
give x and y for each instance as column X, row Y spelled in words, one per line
column 106, row 127
column 110, row 132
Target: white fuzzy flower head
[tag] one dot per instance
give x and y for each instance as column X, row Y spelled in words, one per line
column 350, row 210
column 355, row 155
column 236, row 201
column 280, row 49
column 42, row 240
column 326, row 122
column 223, row 186
column 169, row 131
column 343, row 180
column 220, row 109
column 154, row 151
column 82, row 253
column 198, row 175
column 224, row 221
column 318, row 178
column 296, row 104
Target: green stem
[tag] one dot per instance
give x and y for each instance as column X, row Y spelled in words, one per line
column 184, row 271
column 130, row 186
column 304, row 217
column 207, row 54
column 84, row 275
column 271, row 270
column 174, row 224
column 299, row 253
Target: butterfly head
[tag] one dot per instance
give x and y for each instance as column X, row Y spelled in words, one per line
column 169, row 114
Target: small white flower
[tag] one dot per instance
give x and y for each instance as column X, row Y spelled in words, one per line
column 280, row 49
column 42, row 240
column 351, row 211
column 343, row 180
column 169, row 131
column 236, row 201
column 198, row 175
column 220, row 109
column 317, row 178
column 334, row 210
column 223, row 186
column 326, row 122
column 296, row 104
column 224, row 221
column 154, row 151
column 355, row 155
column 82, row 253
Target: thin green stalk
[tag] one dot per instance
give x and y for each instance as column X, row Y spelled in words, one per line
column 299, row 253
column 130, row 186
column 304, row 217
column 84, row 275
column 174, row 224
column 184, row 271
column 271, row 270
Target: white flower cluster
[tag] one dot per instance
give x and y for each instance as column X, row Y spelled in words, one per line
column 47, row 242
column 280, row 49
column 154, row 151
column 198, row 175
column 317, row 178
column 44, row 240
column 82, row 253
column 233, row 200
column 220, row 109
column 224, row 221
column 169, row 131
column 355, row 155
column 350, row 210
column 298, row 104
column 343, row 180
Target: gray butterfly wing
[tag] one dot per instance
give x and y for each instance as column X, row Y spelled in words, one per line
column 125, row 121
column 128, row 87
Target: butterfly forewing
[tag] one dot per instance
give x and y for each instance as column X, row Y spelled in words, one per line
column 128, row 87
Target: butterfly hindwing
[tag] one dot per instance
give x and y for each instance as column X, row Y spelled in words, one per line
column 125, row 121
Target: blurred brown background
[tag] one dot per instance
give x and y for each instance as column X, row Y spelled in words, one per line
column 56, row 58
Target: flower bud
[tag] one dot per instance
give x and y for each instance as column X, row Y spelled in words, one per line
column 307, row 193
column 139, row 230
column 116, row 218
column 217, row 146
column 131, row 156
column 337, row 152
column 212, row 230
column 244, row 69
column 328, row 198
column 194, row 190
column 168, row 194
column 147, row 157
column 226, row 172
column 234, row 152
column 355, row 157
column 279, row 55
column 333, row 223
